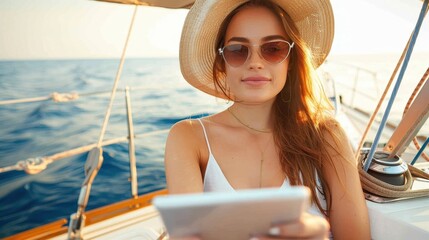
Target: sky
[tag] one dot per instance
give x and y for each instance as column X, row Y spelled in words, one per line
column 76, row 29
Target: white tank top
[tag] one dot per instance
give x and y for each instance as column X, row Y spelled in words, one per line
column 215, row 180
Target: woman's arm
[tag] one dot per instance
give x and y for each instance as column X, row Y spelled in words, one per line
column 182, row 154
column 349, row 214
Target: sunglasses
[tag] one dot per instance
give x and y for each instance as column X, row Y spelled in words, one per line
column 273, row 52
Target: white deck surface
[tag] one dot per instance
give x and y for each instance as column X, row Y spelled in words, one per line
column 142, row 224
column 406, row 219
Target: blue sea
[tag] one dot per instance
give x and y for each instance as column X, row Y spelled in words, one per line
column 159, row 98
column 28, row 130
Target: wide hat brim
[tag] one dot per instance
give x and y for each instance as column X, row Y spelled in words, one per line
column 313, row 18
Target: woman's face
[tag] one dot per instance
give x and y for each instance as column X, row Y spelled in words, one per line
column 255, row 81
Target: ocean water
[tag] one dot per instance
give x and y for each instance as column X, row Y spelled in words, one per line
column 159, row 98
column 29, row 130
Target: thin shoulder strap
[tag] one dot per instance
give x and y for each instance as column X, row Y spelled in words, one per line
column 205, row 135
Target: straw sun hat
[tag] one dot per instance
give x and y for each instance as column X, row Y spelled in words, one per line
column 313, row 18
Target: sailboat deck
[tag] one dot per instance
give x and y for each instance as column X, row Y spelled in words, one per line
column 405, row 219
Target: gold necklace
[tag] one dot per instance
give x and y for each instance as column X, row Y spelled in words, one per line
column 249, row 127
column 262, row 161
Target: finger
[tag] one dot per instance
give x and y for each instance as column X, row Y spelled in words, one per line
column 308, row 226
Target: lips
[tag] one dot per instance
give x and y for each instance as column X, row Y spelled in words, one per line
column 256, row 80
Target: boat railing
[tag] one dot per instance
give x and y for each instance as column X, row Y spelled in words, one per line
column 348, row 79
column 94, row 159
column 358, row 97
column 34, row 165
column 67, row 96
column 356, row 88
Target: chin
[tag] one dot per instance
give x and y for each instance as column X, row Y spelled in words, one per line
column 255, row 98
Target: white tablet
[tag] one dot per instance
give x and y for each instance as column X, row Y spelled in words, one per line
column 230, row 215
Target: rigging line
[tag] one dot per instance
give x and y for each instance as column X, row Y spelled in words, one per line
column 420, row 152
column 397, row 84
column 380, row 102
column 115, row 85
column 95, row 156
column 75, row 151
column 50, row 97
column 25, row 100
column 11, row 168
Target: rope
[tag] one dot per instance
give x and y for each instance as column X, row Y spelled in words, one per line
column 380, row 102
column 31, row 163
column 55, row 96
column 410, row 101
column 383, row 189
column 398, row 83
column 24, row 100
column 115, row 85
column 64, row 97
column 30, row 166
column 95, row 157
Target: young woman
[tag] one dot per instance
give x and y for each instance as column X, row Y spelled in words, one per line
column 279, row 130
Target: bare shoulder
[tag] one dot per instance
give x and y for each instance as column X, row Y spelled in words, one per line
column 336, row 141
column 187, row 126
column 332, row 127
column 185, row 133
column 182, row 157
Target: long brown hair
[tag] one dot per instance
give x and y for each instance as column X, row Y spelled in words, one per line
column 300, row 111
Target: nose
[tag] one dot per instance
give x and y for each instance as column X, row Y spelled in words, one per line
column 255, row 60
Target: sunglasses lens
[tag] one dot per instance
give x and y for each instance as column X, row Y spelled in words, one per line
column 275, row 52
column 236, row 54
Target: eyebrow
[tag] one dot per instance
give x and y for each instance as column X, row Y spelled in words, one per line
column 245, row 40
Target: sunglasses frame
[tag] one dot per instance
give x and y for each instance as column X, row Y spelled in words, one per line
column 221, row 52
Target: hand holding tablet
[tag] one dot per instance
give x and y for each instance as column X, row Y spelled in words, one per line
column 231, row 215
